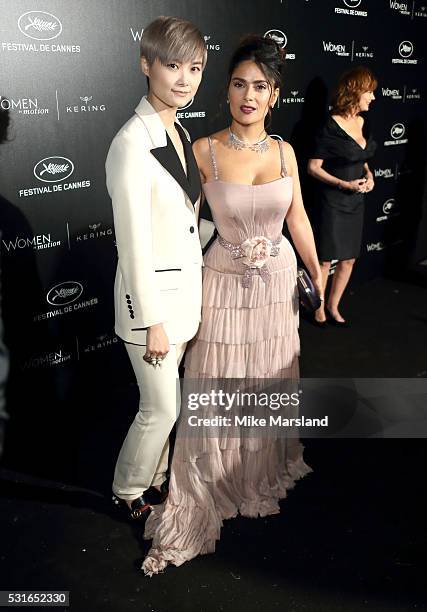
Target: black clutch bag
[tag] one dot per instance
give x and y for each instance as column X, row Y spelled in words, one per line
column 308, row 295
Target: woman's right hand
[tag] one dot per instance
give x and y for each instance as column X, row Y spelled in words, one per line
column 357, row 185
column 157, row 341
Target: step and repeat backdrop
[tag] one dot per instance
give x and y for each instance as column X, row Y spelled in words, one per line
column 70, row 77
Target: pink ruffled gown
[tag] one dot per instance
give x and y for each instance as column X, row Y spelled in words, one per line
column 246, row 332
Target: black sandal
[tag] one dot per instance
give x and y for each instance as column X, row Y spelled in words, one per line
column 139, row 510
column 155, row 497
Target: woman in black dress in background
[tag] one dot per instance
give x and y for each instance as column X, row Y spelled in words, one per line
column 339, row 162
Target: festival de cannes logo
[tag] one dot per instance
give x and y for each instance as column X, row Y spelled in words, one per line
column 278, row 36
column 397, row 131
column 406, row 48
column 352, row 9
column 64, row 293
column 388, row 206
column 39, row 25
column 390, row 210
column 181, row 108
column 53, row 169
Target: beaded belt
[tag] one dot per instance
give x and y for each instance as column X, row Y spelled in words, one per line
column 254, row 253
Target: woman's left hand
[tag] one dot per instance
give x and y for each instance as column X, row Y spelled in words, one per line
column 318, row 283
column 369, row 185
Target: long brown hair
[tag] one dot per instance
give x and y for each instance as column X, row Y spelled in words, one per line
column 351, row 85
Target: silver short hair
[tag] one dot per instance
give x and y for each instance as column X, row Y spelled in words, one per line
column 172, row 39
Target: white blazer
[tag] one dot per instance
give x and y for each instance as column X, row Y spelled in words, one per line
column 155, row 206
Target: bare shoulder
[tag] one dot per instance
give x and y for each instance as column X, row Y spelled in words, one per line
column 288, row 148
column 289, row 157
column 201, row 146
column 289, row 152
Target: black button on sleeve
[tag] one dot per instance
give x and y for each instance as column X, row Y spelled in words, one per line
column 192, row 229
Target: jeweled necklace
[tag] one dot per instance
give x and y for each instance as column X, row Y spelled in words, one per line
column 259, row 147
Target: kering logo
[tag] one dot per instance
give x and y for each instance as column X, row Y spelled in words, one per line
column 293, row 98
column 211, row 46
column 94, row 233
column 102, row 341
column 422, row 12
column 406, row 48
column 85, row 107
column 53, row 169
column 413, row 94
column 39, row 25
column 64, row 293
column 365, row 53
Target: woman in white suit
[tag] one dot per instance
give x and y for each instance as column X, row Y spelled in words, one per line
column 154, row 184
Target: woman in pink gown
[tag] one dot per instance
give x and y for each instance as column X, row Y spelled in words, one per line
column 249, row 327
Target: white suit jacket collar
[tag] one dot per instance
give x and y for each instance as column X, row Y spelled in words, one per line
column 152, row 122
column 167, row 155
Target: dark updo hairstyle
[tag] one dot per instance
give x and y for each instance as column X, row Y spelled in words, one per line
column 267, row 55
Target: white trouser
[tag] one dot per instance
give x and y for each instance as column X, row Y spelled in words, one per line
column 143, row 458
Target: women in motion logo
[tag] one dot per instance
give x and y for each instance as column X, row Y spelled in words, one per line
column 39, row 25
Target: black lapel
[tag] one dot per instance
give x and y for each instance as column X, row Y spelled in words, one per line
column 193, row 174
column 168, row 158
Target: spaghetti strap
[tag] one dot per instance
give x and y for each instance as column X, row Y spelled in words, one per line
column 283, row 171
column 213, row 158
